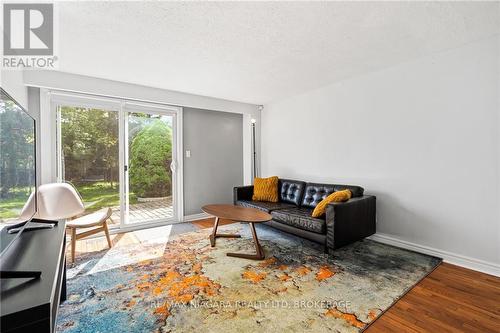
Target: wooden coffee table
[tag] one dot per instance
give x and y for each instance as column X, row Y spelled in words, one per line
column 238, row 214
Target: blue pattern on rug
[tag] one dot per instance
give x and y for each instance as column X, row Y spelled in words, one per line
column 182, row 284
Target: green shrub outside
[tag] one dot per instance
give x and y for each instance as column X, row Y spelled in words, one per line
column 150, row 158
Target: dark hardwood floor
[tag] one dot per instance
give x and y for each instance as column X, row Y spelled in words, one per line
column 450, row 299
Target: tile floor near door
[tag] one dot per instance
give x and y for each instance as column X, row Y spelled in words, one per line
column 450, row 299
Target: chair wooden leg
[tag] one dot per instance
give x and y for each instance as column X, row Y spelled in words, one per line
column 73, row 244
column 106, row 231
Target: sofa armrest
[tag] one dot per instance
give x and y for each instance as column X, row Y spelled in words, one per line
column 242, row 193
column 350, row 221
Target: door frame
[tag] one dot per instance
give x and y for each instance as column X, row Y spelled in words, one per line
column 56, row 98
column 177, row 185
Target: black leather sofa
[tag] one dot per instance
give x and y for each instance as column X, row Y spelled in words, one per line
column 343, row 223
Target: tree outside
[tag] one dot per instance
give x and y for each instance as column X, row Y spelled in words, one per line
column 17, row 151
column 90, row 153
column 89, row 139
column 150, row 158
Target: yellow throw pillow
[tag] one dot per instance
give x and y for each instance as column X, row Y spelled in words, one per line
column 265, row 189
column 339, row 196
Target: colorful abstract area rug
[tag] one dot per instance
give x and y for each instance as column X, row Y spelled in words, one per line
column 184, row 285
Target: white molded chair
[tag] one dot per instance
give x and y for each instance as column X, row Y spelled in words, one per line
column 62, row 201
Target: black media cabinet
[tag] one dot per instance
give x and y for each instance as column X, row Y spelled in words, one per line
column 30, row 305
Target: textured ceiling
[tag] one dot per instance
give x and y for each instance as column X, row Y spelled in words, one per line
column 258, row 52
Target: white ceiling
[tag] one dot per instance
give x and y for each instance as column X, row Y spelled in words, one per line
column 258, row 52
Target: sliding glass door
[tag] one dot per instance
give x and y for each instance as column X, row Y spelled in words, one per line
column 150, row 178
column 121, row 155
column 89, row 155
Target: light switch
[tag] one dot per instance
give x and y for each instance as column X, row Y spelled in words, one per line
column 188, row 153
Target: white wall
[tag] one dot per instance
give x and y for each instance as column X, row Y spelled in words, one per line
column 12, row 82
column 422, row 136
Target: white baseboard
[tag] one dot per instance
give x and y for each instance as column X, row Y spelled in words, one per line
column 194, row 217
column 452, row 258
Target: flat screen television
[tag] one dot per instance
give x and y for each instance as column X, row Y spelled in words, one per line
column 17, row 170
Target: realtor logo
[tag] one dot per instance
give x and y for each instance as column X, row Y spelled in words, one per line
column 28, row 29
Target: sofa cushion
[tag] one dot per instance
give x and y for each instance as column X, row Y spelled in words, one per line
column 315, row 192
column 300, row 217
column 264, row 206
column 265, row 189
column 291, row 191
column 337, row 196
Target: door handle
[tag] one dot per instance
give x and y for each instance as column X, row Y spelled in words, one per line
column 173, row 166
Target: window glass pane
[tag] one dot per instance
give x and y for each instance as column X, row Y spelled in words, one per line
column 150, row 176
column 90, row 156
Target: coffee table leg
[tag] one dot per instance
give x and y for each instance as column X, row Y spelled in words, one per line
column 214, row 234
column 258, row 248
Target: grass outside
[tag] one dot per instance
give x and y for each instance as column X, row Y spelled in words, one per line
column 99, row 195
column 11, row 207
column 95, row 196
